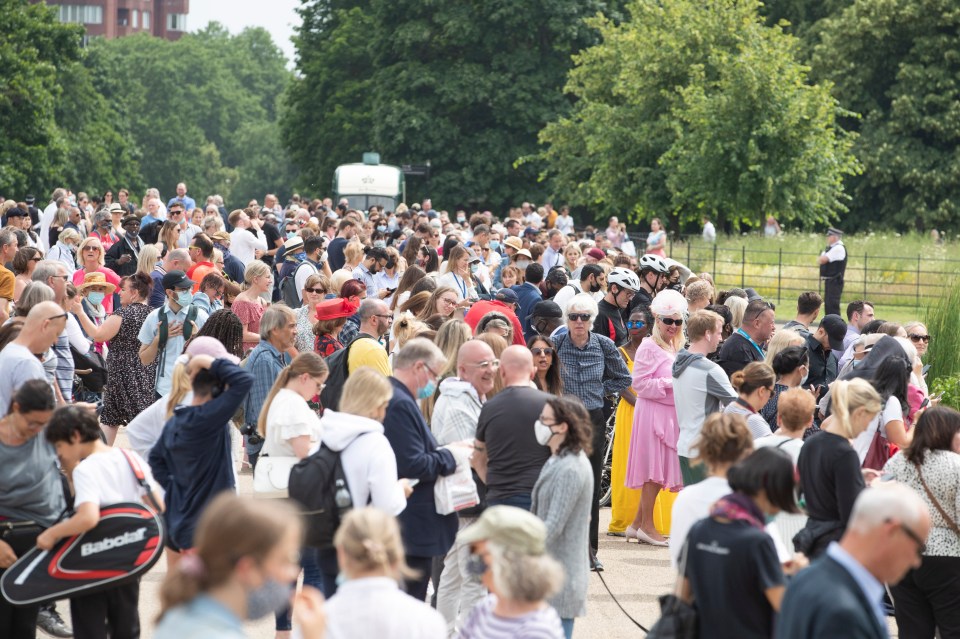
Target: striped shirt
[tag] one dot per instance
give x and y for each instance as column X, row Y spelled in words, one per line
column 483, row 623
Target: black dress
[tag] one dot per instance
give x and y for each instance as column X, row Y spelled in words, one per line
column 130, row 384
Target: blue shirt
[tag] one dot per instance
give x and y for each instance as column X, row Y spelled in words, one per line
column 188, row 202
column 174, row 346
column 202, row 618
column 265, row 363
column 872, row 589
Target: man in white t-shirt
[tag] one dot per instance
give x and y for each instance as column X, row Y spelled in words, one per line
column 247, row 239
column 592, row 280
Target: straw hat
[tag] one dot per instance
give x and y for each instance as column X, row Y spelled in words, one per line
column 96, row 279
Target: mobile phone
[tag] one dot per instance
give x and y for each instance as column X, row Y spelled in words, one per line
column 412, row 482
column 924, row 403
column 391, row 290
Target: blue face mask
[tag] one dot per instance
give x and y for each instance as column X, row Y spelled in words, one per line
column 475, row 268
column 291, row 234
column 380, row 244
column 300, row 256
column 768, row 518
column 268, row 599
column 184, row 298
column 427, row 391
column 382, row 228
column 495, row 245
column 95, row 298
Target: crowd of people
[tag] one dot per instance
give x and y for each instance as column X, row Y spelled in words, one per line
column 426, row 351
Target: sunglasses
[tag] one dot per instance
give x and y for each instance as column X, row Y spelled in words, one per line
column 92, row 248
column 542, row 350
column 317, row 291
column 583, row 317
column 635, row 324
column 920, row 338
column 669, row 321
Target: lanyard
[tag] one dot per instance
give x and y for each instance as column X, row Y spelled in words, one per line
column 461, row 284
column 750, row 339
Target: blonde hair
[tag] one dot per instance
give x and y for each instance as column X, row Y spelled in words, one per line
column 101, row 260
column 370, row 538
column 407, row 327
column 657, row 335
column 737, row 306
column 149, row 256
column 337, row 279
column 230, row 528
column 353, row 251
column 782, row 340
column 846, row 396
column 524, row 578
column 256, row 268
column 180, row 385
column 700, row 322
column 364, row 392
column 452, row 334
column 310, row 363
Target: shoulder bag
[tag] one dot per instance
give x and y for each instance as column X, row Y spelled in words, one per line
column 879, row 452
column 936, row 504
column 678, row 619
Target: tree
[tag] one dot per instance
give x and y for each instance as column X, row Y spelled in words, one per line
column 465, row 84
column 897, row 64
column 688, row 109
column 33, row 47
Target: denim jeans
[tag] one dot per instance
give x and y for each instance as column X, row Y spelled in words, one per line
column 520, row 501
column 310, row 563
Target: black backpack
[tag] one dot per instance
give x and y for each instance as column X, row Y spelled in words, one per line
column 288, row 288
column 318, row 484
column 339, row 371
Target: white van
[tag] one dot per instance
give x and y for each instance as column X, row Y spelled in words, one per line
column 369, row 183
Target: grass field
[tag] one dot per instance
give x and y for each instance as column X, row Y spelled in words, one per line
column 901, row 274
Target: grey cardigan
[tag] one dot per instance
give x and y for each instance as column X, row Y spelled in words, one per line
column 561, row 498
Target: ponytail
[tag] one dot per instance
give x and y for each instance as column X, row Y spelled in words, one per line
column 846, row 397
column 310, row 363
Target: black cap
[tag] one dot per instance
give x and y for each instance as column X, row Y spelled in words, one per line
column 506, row 295
column 836, row 330
column 176, row 280
column 16, row 212
column 30, row 199
column 546, row 308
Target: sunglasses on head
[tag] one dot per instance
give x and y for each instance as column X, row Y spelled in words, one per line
column 669, row 321
column 583, row 317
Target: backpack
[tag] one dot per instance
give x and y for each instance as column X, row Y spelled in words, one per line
column 318, row 484
column 163, row 329
column 337, row 364
column 288, row 287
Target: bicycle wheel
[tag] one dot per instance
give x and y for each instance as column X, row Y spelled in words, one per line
column 606, row 490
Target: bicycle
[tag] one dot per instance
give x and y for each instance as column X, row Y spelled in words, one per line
column 606, row 488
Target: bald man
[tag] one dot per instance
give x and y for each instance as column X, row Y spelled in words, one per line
column 507, row 456
column 19, row 360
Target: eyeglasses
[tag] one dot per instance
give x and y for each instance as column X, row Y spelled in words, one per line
column 447, row 300
column 669, row 321
column 487, row 363
column 316, row 291
column 384, row 316
column 582, row 317
column 66, row 278
column 61, row 315
column 432, row 372
column 542, row 350
column 95, row 249
column 920, row 338
column 921, row 545
column 635, row 324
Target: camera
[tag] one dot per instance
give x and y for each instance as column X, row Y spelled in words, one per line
column 252, row 434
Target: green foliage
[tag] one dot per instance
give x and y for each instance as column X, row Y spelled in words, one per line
column 193, row 108
column 465, row 84
column 943, row 323
column 950, row 387
column 688, row 109
column 897, row 63
column 33, row 47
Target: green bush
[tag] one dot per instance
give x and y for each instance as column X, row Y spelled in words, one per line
column 944, row 329
column 950, row 387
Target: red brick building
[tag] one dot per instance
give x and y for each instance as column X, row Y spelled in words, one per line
column 117, row 18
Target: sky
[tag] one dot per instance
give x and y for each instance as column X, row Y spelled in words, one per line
column 276, row 16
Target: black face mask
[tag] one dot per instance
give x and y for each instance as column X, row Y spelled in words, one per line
column 391, row 263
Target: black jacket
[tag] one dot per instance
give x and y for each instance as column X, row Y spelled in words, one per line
column 118, row 250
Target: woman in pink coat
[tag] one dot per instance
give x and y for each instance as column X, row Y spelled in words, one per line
column 653, row 463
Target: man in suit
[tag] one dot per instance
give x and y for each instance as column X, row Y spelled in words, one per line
column 841, row 594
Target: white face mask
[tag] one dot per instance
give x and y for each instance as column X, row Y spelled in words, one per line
column 542, row 433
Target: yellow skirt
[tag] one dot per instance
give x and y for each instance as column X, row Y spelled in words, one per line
column 624, row 502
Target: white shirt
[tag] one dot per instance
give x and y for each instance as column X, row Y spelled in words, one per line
column 551, row 258
column 464, row 288
column 835, row 253
column 891, row 412
column 290, row 416
column 187, row 235
column 788, row 445
column 709, row 232
column 564, row 223
column 107, row 478
column 243, row 243
column 376, row 607
column 46, row 219
column 146, row 428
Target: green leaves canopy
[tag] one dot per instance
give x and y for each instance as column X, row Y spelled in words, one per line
column 687, row 109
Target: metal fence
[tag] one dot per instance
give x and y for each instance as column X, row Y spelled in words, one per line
column 777, row 274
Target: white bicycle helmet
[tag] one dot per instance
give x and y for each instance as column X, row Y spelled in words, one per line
column 624, row 278
column 653, row 263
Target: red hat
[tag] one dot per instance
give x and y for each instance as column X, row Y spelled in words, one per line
column 596, row 253
column 336, row 308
